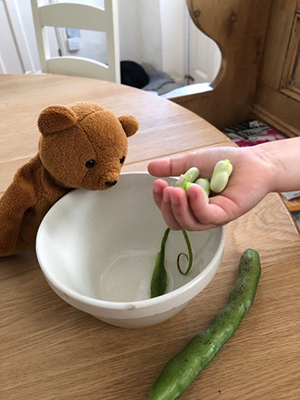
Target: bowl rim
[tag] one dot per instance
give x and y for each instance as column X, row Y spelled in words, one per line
column 118, row 305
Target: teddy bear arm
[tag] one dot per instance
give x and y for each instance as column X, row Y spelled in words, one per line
column 18, row 199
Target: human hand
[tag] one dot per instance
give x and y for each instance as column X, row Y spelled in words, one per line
column 249, row 182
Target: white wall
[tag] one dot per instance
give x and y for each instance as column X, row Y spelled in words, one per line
column 155, row 32
column 173, row 23
column 129, row 31
column 92, row 44
column 150, row 32
column 8, row 50
column 26, row 15
column 11, row 63
column 140, row 31
column 205, row 56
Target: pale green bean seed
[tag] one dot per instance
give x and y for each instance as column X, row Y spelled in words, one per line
column 186, row 186
column 220, row 181
column 220, row 176
column 204, row 184
column 192, row 174
column 180, row 181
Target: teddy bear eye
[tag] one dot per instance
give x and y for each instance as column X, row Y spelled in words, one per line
column 122, row 159
column 90, row 164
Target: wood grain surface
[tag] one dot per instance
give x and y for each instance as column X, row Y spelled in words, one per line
column 50, row 350
column 278, row 97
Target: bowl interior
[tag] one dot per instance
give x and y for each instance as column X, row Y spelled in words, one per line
column 104, row 244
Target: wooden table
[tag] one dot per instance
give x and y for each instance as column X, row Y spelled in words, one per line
column 50, row 350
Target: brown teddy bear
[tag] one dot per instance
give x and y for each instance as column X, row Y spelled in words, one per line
column 81, row 146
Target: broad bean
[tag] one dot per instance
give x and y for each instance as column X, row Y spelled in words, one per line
column 182, row 369
column 190, row 176
column 220, row 176
column 204, row 184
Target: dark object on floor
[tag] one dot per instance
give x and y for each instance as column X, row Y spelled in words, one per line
column 133, row 74
column 252, row 132
column 159, row 82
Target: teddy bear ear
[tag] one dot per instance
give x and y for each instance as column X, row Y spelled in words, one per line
column 55, row 119
column 129, row 124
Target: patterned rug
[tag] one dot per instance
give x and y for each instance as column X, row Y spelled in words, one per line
column 252, row 132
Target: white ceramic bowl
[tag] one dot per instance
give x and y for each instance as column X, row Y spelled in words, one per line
column 97, row 251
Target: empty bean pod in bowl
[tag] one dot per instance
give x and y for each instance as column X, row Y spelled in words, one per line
column 98, row 250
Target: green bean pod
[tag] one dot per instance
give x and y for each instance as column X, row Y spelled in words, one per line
column 182, row 369
column 220, row 176
column 159, row 275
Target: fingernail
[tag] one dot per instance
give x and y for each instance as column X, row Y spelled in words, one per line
column 157, row 189
column 192, row 195
column 174, row 200
column 166, row 196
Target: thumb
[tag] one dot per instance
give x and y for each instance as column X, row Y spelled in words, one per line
column 172, row 166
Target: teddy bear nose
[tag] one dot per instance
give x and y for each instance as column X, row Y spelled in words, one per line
column 110, row 183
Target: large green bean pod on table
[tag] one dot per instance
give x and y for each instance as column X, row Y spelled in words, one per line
column 183, row 368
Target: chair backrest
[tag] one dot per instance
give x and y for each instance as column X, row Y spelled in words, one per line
column 78, row 15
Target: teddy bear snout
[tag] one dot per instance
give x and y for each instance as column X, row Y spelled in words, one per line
column 110, row 183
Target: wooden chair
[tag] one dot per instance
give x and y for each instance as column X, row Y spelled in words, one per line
column 78, row 15
column 260, row 71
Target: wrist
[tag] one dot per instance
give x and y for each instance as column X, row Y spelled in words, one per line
column 269, row 166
